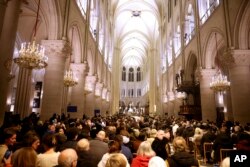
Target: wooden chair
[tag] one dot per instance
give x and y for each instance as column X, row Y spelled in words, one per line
column 225, row 153
column 197, row 153
column 207, row 147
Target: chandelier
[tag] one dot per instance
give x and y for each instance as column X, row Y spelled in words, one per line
column 69, row 79
column 31, row 55
column 219, row 82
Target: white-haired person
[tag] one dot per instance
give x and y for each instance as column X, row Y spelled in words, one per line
column 144, row 154
column 157, row 162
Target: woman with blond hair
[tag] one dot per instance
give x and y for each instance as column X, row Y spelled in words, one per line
column 181, row 157
column 116, row 160
column 144, row 153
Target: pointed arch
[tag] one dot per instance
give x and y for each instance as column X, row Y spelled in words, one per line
column 209, row 49
column 75, row 40
column 242, row 27
column 191, row 66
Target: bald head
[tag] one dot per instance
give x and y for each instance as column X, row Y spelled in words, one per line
column 101, row 135
column 82, row 145
column 67, row 158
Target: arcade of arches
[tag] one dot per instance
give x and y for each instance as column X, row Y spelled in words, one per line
column 153, row 57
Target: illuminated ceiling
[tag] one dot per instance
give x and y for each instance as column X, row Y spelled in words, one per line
column 136, row 29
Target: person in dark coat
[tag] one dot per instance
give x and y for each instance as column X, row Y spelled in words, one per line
column 222, row 141
column 84, row 157
column 181, row 158
column 72, row 135
column 125, row 150
column 159, row 145
column 98, row 148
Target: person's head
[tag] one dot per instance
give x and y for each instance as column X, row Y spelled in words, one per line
column 101, row 135
column 31, row 139
column 51, row 128
column 82, row 145
column 153, row 133
column 72, row 133
column 25, row 156
column 145, row 149
column 179, row 144
column 156, row 162
column 49, row 141
column 160, row 134
column 88, row 122
column 116, row 160
column 9, row 136
column 68, row 158
column 114, row 146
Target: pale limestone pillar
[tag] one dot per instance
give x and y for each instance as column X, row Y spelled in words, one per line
column 170, row 108
column 208, row 105
column 77, row 96
column 57, row 51
column 8, row 26
column 98, row 96
column 115, row 86
column 152, row 81
column 177, row 104
column 23, row 100
column 240, row 85
column 90, row 81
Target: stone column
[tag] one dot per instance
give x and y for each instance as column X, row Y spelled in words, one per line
column 8, row 26
column 208, row 105
column 23, row 100
column 98, row 95
column 57, row 51
column 115, row 86
column 77, row 96
column 90, row 82
column 240, row 84
column 152, row 81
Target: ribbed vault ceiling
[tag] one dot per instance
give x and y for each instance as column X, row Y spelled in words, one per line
column 136, row 27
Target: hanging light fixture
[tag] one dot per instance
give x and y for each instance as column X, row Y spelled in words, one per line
column 219, row 82
column 31, row 55
column 70, row 79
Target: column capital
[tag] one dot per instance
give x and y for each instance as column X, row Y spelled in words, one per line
column 57, row 47
column 235, row 57
column 241, row 57
column 78, row 67
column 205, row 72
column 90, row 81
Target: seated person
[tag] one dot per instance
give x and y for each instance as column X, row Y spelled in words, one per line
column 181, row 158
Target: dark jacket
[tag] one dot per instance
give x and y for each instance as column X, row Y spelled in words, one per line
column 159, row 146
column 97, row 149
column 84, row 159
column 182, row 159
column 222, row 141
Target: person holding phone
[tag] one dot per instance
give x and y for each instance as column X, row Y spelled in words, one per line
column 8, row 139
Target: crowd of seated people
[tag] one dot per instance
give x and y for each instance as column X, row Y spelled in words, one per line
column 117, row 141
